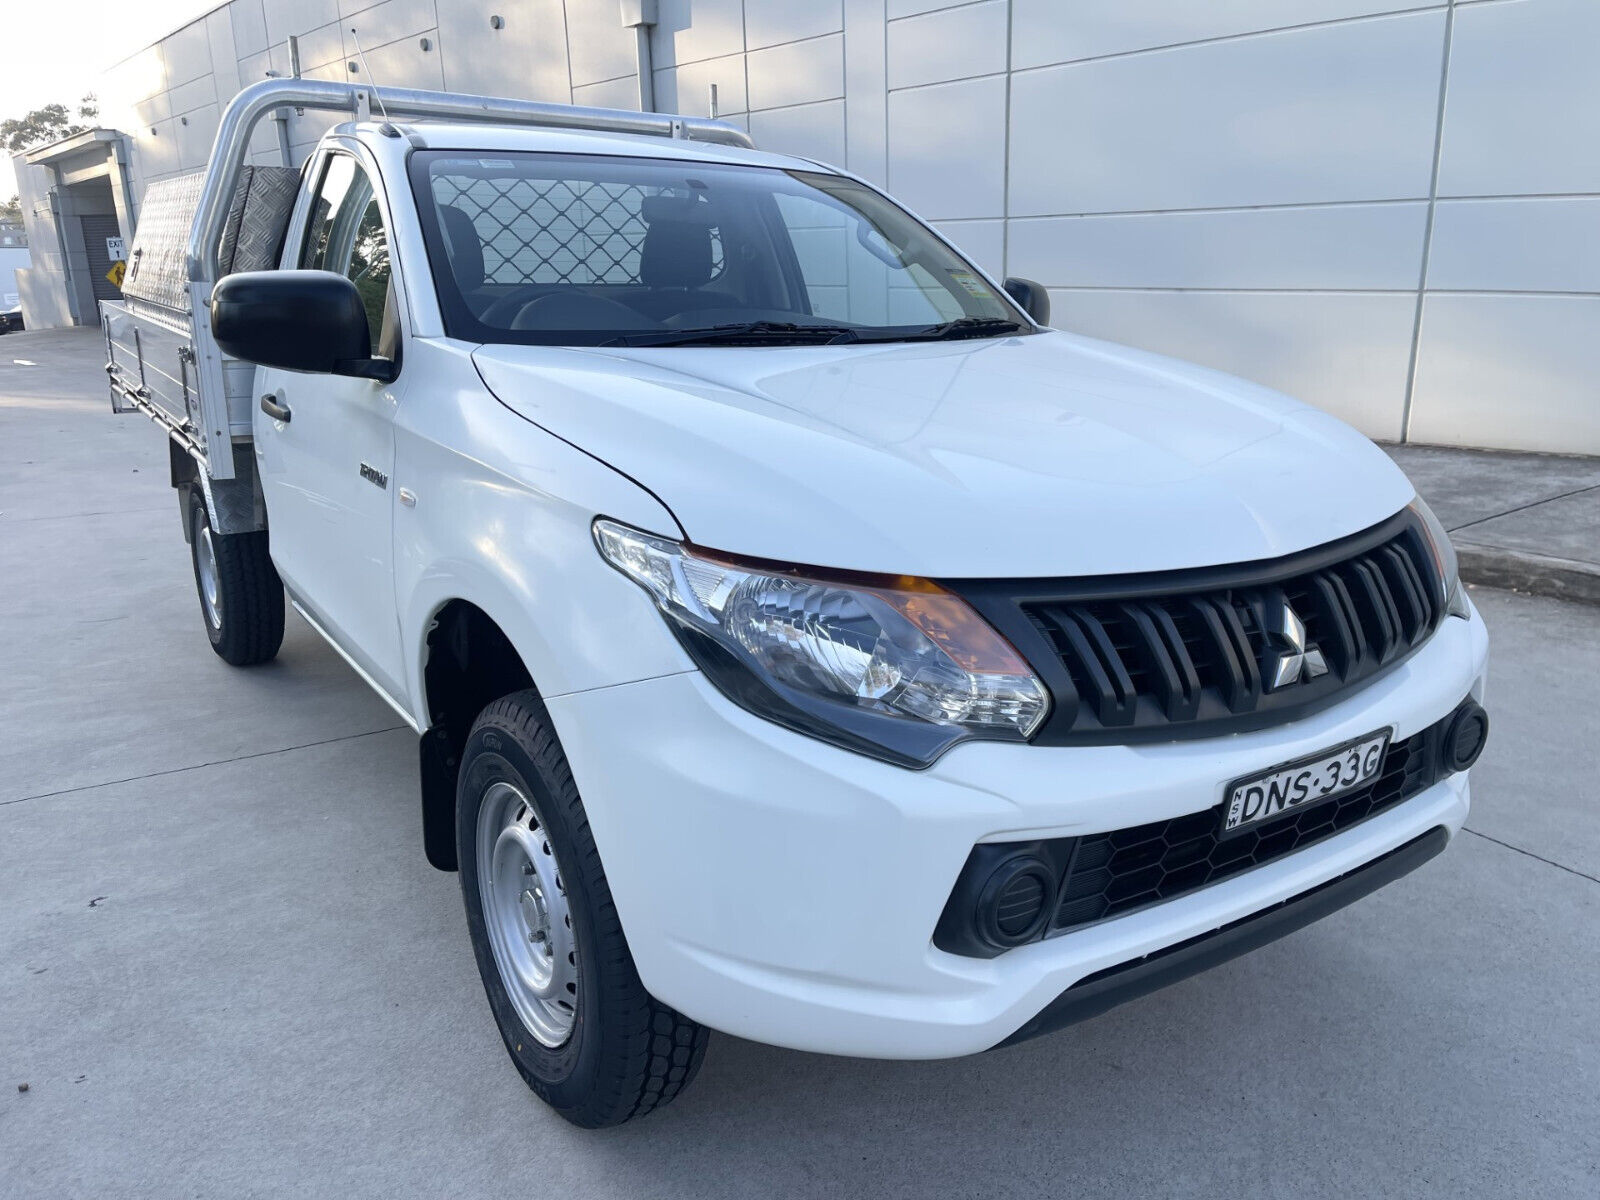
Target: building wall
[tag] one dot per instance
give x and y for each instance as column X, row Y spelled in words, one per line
column 42, row 285
column 1385, row 207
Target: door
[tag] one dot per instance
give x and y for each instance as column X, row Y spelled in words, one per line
column 325, row 471
column 100, row 233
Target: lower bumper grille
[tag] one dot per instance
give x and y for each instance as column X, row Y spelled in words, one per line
column 1117, row 872
column 1104, row 875
column 1106, row 989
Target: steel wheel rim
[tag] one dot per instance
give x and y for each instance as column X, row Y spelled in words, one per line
column 526, row 914
column 205, row 557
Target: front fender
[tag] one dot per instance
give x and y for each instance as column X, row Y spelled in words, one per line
column 502, row 518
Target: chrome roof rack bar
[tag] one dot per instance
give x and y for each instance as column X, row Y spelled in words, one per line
column 259, row 99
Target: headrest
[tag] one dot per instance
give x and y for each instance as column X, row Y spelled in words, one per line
column 675, row 254
column 677, row 206
column 463, row 246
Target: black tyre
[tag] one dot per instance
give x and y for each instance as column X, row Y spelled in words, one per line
column 241, row 596
column 576, row 1020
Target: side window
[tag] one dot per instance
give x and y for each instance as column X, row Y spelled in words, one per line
column 346, row 234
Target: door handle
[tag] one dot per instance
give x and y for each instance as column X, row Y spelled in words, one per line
column 278, row 412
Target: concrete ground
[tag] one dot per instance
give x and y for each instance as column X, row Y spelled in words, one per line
column 1528, row 522
column 225, row 968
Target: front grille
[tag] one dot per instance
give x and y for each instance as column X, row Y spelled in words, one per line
column 1113, row 873
column 1195, row 653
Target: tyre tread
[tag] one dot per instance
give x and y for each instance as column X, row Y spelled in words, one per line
column 252, row 598
column 661, row 1050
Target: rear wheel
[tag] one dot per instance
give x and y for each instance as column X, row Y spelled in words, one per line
column 575, row 1018
column 241, row 596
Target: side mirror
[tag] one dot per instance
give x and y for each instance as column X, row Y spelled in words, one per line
column 1032, row 297
column 298, row 320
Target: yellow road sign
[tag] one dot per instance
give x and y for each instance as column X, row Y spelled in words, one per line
column 118, row 270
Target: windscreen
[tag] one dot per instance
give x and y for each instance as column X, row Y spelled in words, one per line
column 590, row 250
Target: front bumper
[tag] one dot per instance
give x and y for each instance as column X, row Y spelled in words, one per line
column 786, row 891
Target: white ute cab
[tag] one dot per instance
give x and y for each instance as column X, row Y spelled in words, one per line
column 805, row 641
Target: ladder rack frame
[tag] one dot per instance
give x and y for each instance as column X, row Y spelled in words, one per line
column 247, row 109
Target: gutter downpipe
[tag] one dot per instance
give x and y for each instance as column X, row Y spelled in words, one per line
column 281, row 116
column 641, row 16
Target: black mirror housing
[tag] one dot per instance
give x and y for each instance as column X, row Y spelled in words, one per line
column 1032, row 298
column 310, row 321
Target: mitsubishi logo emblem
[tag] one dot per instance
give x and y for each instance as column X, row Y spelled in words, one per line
column 1295, row 660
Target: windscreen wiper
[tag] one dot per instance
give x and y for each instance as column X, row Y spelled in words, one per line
column 965, row 327
column 753, row 332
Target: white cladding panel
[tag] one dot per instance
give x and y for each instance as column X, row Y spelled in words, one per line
column 1259, row 185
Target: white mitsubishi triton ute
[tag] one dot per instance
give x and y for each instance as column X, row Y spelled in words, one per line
column 805, row 640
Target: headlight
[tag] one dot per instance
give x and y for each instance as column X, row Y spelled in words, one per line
column 890, row 666
column 1444, row 559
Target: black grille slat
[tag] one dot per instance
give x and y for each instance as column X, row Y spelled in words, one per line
column 1100, row 674
column 1419, row 610
column 1349, row 644
column 1170, row 661
column 1381, row 611
column 1125, row 869
column 1240, row 674
column 1166, row 659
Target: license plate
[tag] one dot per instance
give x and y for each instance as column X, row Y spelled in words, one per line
column 1306, row 781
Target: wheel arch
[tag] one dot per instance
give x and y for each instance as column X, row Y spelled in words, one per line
column 468, row 661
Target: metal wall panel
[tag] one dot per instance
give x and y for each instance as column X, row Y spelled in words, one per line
column 599, row 46
column 1523, row 112
column 1343, row 246
column 687, row 88
column 387, row 20
column 1512, row 371
column 1047, row 31
column 984, row 242
column 946, row 155
column 811, row 130
column 248, row 19
column 953, row 43
column 1336, row 112
column 1523, row 244
column 1345, row 352
column 773, row 22
column 797, row 73
column 186, row 54
column 528, row 57
column 689, row 31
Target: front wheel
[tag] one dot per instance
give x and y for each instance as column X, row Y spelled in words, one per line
column 575, row 1018
column 241, row 596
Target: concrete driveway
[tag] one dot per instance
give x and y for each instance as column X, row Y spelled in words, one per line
column 226, row 970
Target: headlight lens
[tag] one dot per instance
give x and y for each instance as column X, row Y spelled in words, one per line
column 896, row 667
column 1444, row 559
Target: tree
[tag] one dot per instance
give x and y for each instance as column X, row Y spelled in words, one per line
column 48, row 124
column 11, row 211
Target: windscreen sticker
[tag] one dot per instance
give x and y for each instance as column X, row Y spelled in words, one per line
column 974, row 285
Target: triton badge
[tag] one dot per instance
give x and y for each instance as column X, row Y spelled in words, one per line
column 373, row 475
column 1298, row 661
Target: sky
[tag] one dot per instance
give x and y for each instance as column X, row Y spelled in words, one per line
column 54, row 52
